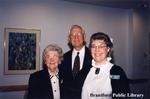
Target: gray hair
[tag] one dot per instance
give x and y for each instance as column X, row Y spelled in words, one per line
column 76, row 26
column 53, row 47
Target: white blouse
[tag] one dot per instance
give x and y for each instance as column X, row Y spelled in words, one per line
column 98, row 86
column 54, row 78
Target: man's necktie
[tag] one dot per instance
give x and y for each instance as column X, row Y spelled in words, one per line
column 76, row 66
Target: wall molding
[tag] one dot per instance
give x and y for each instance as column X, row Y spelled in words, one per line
column 10, row 88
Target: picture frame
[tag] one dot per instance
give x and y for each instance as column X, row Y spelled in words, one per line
column 22, row 50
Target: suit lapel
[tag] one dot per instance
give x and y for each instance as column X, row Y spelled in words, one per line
column 87, row 58
column 70, row 59
column 69, row 63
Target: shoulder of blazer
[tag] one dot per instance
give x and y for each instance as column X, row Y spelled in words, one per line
column 67, row 59
column 87, row 58
column 87, row 49
column 40, row 74
column 116, row 70
column 88, row 53
column 68, row 54
column 117, row 73
column 119, row 80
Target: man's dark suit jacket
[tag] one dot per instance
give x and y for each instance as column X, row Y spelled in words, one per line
column 72, row 86
column 40, row 86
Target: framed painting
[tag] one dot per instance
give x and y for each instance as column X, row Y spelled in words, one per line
column 22, row 50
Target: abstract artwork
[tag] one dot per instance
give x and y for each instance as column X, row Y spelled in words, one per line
column 21, row 50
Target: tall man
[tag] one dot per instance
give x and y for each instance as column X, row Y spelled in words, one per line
column 75, row 63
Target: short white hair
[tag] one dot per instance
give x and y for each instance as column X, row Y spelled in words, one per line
column 53, row 47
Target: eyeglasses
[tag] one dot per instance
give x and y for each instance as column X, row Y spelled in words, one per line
column 98, row 47
column 75, row 34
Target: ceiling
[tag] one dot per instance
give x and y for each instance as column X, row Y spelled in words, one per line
column 125, row 4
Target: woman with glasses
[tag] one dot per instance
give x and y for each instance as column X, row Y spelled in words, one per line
column 104, row 80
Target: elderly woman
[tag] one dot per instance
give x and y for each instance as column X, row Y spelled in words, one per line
column 104, row 79
column 45, row 84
